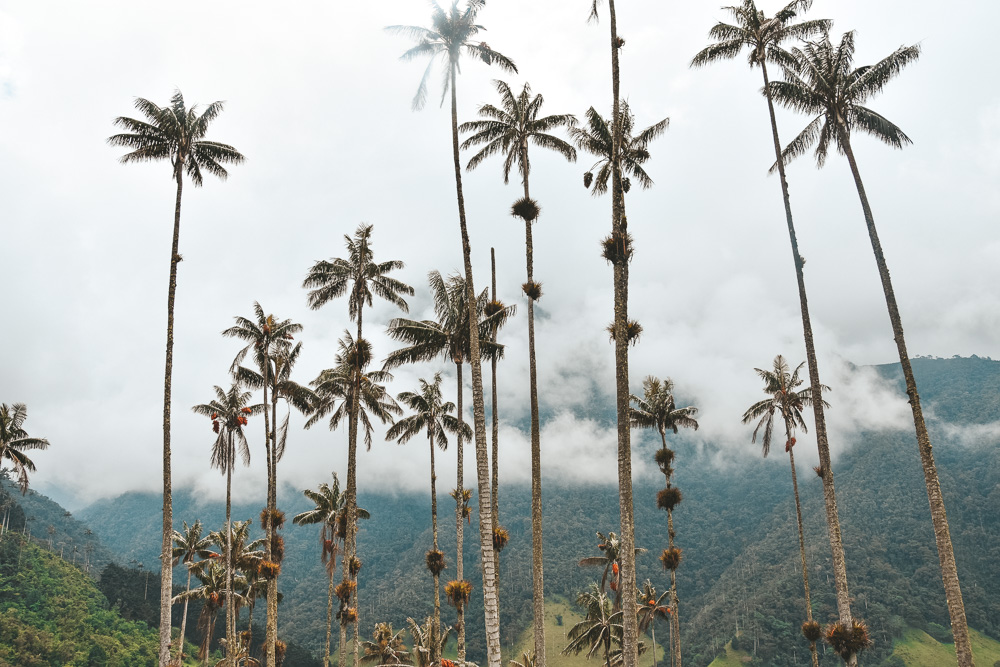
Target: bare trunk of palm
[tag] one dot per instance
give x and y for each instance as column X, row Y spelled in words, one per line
column 230, row 616
column 184, row 618
column 537, row 575
column 495, row 416
column 942, row 534
column 675, row 623
column 802, row 539
column 822, row 442
column 619, row 227
column 270, row 623
column 329, row 612
column 436, row 626
column 491, row 610
column 459, row 507
column 166, row 546
column 351, row 532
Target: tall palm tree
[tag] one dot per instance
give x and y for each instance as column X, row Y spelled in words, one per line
column 334, row 391
column 212, row 594
column 780, row 384
column 430, row 415
column 508, row 130
column 449, row 337
column 658, row 410
column 764, row 36
column 14, row 441
column 359, row 276
column 229, row 412
column 189, row 545
column 596, row 138
column 175, row 133
column 453, row 32
column 423, row 647
column 386, row 647
column 825, row 82
column 652, row 607
column 330, row 506
column 268, row 338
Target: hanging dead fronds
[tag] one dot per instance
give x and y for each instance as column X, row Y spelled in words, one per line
column 525, row 208
column 435, row 562
column 669, row 498
column 671, row 558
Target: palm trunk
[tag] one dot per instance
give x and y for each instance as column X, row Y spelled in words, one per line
column 652, row 629
column 270, row 624
column 942, row 534
column 537, row 574
column 495, row 458
column 459, row 506
column 230, row 616
column 184, row 618
column 329, row 612
column 675, row 623
column 491, row 610
column 802, row 539
column 436, row 627
column 351, row 532
column 822, row 443
column 166, row 545
column 619, row 227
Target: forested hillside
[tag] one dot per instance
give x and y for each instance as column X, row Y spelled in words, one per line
column 740, row 573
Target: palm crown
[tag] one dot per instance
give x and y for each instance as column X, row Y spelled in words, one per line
column 175, row 133
column 189, row 544
column 229, row 412
column 510, row 128
column 657, row 409
column 430, row 414
column 14, row 441
column 825, row 82
column 762, row 35
column 596, row 138
column 452, row 32
column 780, row 383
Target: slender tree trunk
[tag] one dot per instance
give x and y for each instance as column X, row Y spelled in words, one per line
column 459, row 506
column 329, row 611
column 491, row 610
column 822, row 442
column 802, row 539
column 351, row 533
column 619, row 228
column 675, row 623
column 184, row 618
column 230, row 616
column 166, row 546
column 942, row 534
column 494, row 414
column 537, row 574
column 436, row 626
column 270, row 623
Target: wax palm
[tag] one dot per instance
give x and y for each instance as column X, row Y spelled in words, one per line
column 596, row 138
column 452, row 33
column 610, row 560
column 267, row 338
column 651, row 608
column 450, row 337
column 525, row 661
column 423, row 647
column 780, row 384
column 212, row 593
column 508, row 130
column 430, row 416
column 15, row 441
column 386, row 647
column 189, row 545
column 229, row 412
column 599, row 627
column 175, row 133
column 330, row 505
column 826, row 83
column 764, row 37
column 657, row 410
column 362, row 277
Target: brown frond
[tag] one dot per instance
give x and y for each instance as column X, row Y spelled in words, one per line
column 848, row 642
column 632, row 331
column 811, row 631
column 277, row 548
column 268, row 569
column 669, row 498
column 525, row 208
column 818, row 470
column 500, row 538
column 345, row 590
column 532, row 289
column 671, row 558
column 458, row 592
column 435, row 562
column 616, row 248
column 664, row 459
column 355, row 566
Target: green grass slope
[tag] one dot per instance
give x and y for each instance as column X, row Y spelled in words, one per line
column 916, row 648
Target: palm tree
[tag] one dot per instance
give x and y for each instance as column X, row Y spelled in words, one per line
column 212, row 594
column 764, row 36
column 229, row 413
column 329, row 510
column 651, row 608
column 598, row 628
column 430, row 415
column 175, row 133
column 658, row 410
column 386, row 647
column 269, row 339
column 189, row 545
column 824, row 82
column 423, row 647
column 596, row 138
column 449, row 337
column 780, row 384
column 611, row 561
column 452, row 33
column 334, row 391
column 508, row 130
column 14, row 441
column 359, row 276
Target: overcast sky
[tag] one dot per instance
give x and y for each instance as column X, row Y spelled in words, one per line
column 319, row 102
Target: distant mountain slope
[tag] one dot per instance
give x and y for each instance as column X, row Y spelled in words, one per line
column 736, row 526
